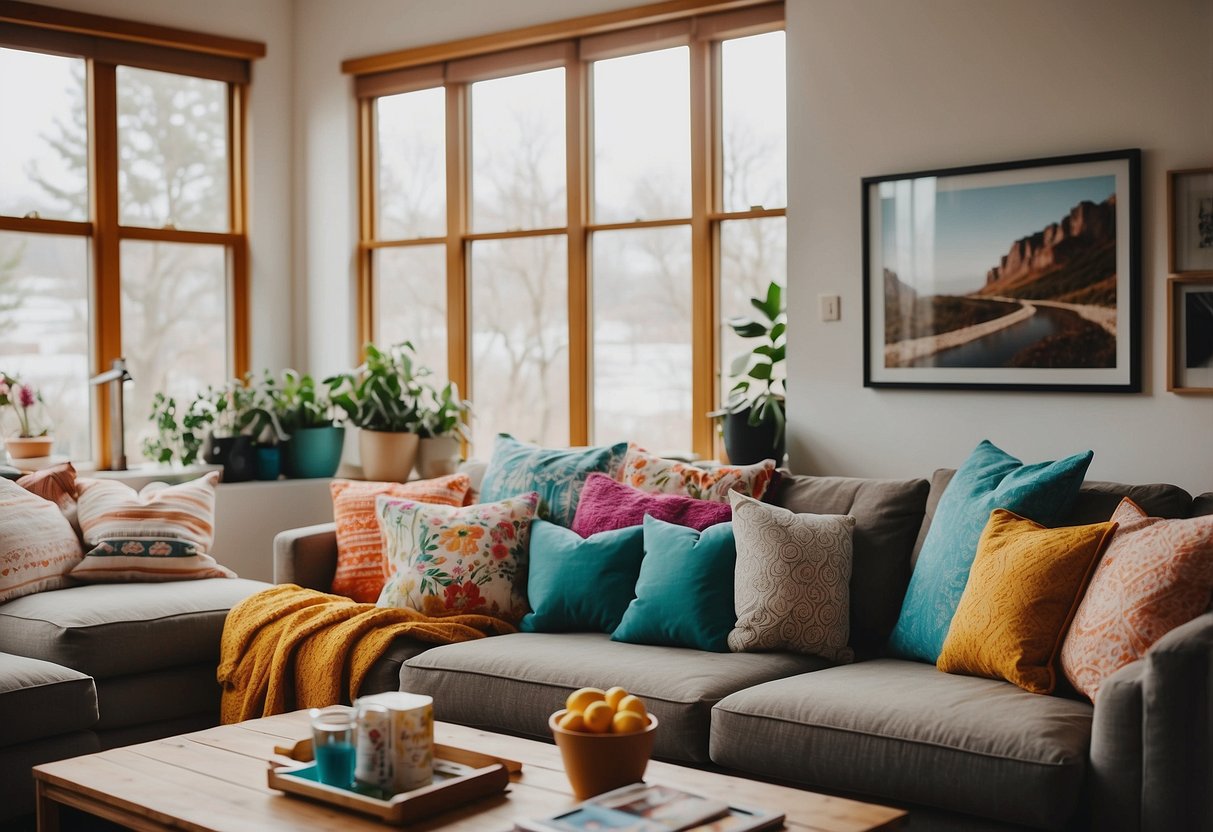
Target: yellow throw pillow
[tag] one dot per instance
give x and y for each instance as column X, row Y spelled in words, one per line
column 1025, row 584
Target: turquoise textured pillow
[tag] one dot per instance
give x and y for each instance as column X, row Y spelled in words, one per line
column 557, row 474
column 581, row 584
column 990, row 478
column 684, row 595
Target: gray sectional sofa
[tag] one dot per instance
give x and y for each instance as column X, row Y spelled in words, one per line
column 103, row 665
column 959, row 752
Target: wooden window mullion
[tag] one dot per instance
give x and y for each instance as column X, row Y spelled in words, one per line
column 577, row 189
column 703, row 294
column 458, row 159
column 367, row 198
column 105, row 300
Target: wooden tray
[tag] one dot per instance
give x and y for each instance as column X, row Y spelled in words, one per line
column 460, row 775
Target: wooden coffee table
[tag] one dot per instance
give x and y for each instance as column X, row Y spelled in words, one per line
column 216, row 780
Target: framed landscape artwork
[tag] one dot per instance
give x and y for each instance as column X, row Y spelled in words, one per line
column 1014, row 276
column 1190, row 334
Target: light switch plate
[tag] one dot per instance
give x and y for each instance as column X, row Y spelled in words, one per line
column 831, row 307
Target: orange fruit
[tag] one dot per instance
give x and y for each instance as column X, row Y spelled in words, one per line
column 579, row 700
column 628, row 722
column 633, row 703
column 572, row 721
column 613, row 695
column 597, row 717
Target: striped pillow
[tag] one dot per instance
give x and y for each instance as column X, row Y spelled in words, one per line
column 162, row 533
column 37, row 545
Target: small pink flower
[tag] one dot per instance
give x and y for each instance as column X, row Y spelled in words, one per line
column 26, row 395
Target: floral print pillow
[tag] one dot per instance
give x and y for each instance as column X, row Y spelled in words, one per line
column 444, row 560
column 655, row 475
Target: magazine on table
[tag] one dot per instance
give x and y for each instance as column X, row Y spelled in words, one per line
column 642, row 807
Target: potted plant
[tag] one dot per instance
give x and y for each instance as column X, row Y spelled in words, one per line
column 314, row 439
column 443, row 429
column 179, row 432
column 264, row 426
column 33, row 438
column 230, row 442
column 380, row 397
column 753, row 419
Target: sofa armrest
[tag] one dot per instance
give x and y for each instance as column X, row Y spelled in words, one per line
column 1152, row 737
column 306, row 556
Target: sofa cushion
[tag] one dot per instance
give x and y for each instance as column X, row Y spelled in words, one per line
column 384, row 674
column 514, row 682
column 1201, row 505
column 39, row 699
column 903, row 731
column 173, row 693
column 17, row 762
column 888, row 514
column 115, row 629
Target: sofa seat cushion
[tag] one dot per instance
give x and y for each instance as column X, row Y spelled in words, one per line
column 117, row 629
column 384, row 674
column 903, row 731
column 39, row 699
column 514, row 682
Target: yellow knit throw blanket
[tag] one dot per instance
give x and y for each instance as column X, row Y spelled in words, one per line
column 287, row 647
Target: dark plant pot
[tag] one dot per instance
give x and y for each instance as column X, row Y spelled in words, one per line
column 747, row 444
column 313, row 452
column 269, row 462
column 234, row 453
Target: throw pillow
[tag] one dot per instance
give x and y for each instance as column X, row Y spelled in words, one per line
column 792, row 582
column 557, row 475
column 580, row 584
column 162, row 533
column 1156, row 575
column 607, row 504
column 37, row 544
column 360, row 562
column 990, row 478
column 447, row 561
column 655, row 475
column 1024, row 586
column 57, row 484
column 684, row 593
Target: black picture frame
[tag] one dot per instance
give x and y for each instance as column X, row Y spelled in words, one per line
column 1068, row 278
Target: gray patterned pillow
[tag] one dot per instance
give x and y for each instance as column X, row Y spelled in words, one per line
column 791, row 585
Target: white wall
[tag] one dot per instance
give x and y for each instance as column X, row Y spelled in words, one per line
column 877, row 87
column 270, row 147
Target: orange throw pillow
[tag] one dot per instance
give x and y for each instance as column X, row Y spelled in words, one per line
column 360, row 562
column 1024, row 586
column 1156, row 575
column 57, row 484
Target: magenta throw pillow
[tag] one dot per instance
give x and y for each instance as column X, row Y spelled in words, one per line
column 607, row 504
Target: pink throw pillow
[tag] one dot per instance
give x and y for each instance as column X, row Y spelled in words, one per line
column 606, row 504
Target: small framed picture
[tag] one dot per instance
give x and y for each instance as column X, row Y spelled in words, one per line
column 1190, row 334
column 1190, row 216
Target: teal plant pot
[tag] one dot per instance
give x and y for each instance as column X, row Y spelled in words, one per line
column 269, row 462
column 313, row 452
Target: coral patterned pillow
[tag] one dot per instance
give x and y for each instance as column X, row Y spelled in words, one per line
column 57, row 484
column 37, row 545
column 1156, row 575
column 449, row 561
column 655, row 475
column 360, row 563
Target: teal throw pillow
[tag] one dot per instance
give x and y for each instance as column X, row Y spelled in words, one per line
column 990, row 478
column 557, row 474
column 684, row 595
column 581, row 584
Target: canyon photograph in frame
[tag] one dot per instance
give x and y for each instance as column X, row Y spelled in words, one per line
column 1016, row 276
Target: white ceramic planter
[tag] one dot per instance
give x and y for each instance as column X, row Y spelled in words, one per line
column 387, row 456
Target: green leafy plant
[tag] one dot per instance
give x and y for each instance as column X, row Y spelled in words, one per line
column 384, row 392
column 232, row 407
column 761, row 377
column 179, row 431
column 443, row 413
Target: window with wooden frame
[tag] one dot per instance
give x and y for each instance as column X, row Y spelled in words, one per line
column 122, row 214
column 561, row 218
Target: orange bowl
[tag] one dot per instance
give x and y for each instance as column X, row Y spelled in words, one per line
column 597, row 763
